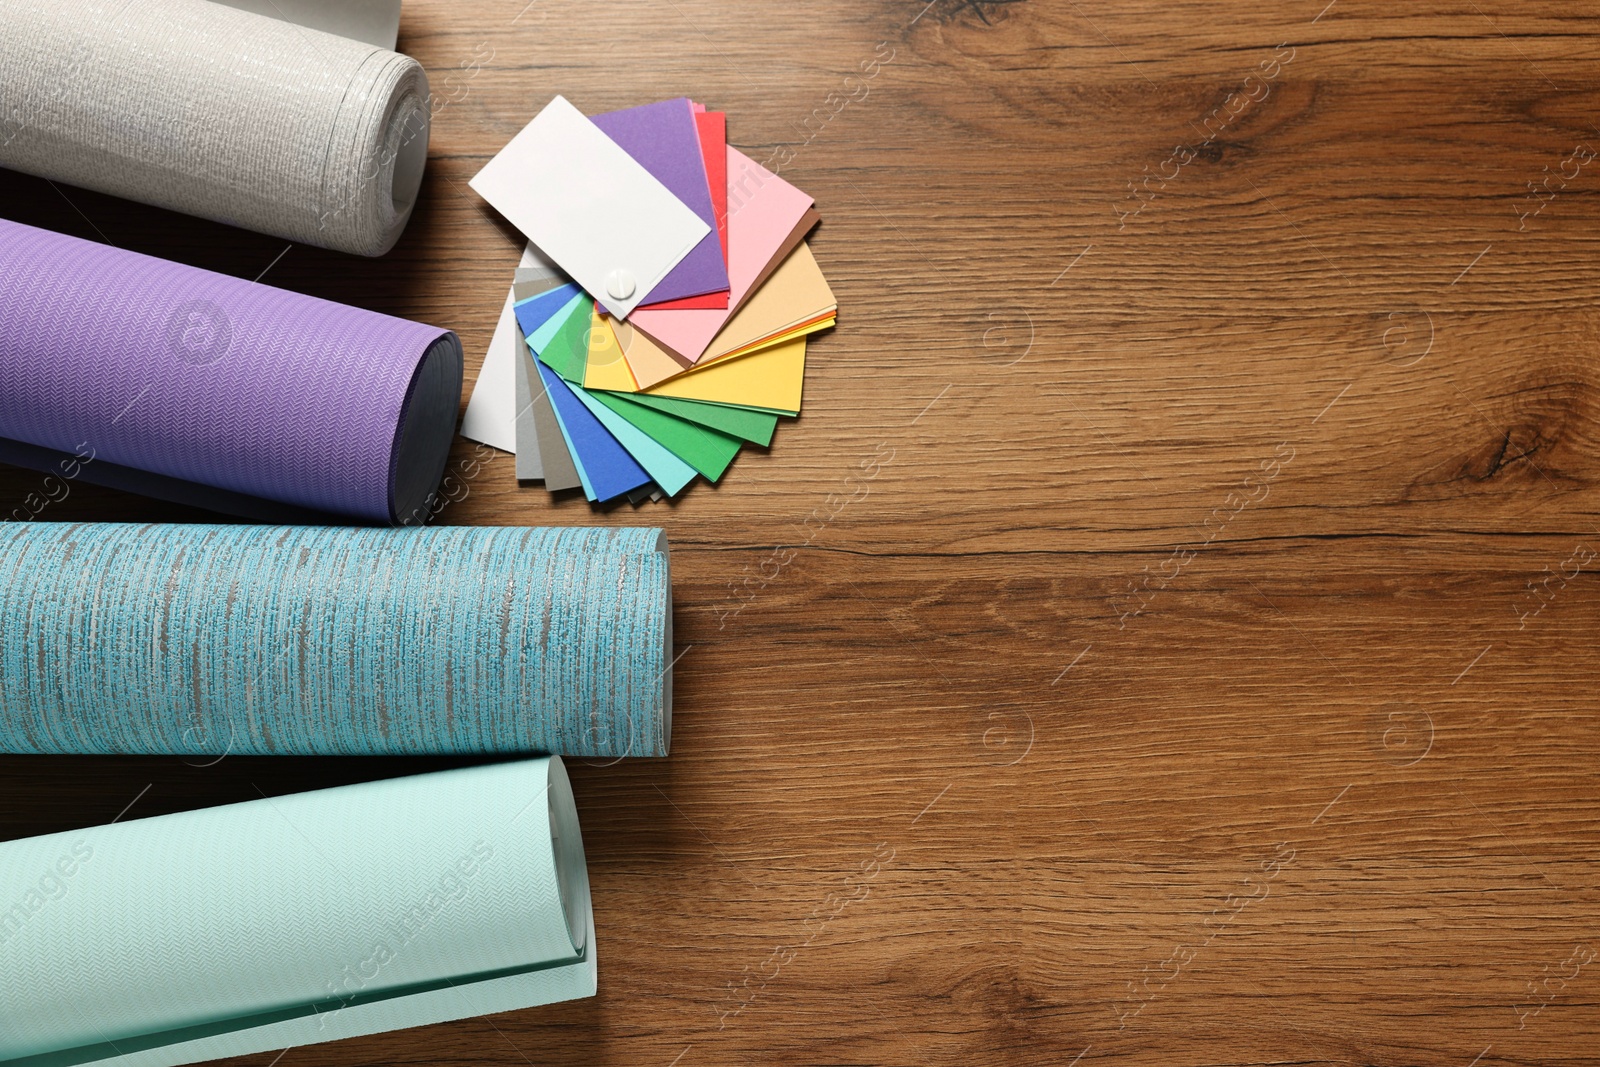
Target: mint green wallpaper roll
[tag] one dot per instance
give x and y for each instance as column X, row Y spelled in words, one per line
column 294, row 920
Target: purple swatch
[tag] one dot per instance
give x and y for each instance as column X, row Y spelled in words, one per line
column 221, row 383
column 662, row 138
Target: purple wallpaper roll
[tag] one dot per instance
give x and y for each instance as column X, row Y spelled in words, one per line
column 212, row 381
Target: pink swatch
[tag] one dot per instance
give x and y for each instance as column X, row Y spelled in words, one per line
column 763, row 210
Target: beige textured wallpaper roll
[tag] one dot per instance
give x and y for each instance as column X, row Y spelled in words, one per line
column 216, row 112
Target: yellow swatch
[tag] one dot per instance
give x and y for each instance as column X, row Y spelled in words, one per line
column 651, row 366
column 606, row 368
column 771, row 379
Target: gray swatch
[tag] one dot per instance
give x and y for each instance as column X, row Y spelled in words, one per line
column 559, row 471
column 529, row 282
column 530, row 460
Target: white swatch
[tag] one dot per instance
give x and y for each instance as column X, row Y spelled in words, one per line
column 492, row 410
column 590, row 206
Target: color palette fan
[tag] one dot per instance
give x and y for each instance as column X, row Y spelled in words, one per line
column 658, row 321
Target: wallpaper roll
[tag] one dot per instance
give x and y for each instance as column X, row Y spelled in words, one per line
column 295, row 920
column 216, row 112
column 305, row 640
column 219, row 386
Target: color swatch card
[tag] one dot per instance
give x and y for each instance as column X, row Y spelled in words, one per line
column 590, row 206
column 664, row 140
column 764, row 213
column 635, row 397
column 491, row 410
column 712, row 126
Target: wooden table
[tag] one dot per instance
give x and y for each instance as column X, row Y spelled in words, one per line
column 1167, row 637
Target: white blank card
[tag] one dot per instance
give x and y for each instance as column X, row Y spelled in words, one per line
column 590, row 206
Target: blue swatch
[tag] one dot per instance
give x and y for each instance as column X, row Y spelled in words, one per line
column 610, row 469
column 534, row 311
column 540, row 339
column 666, row 470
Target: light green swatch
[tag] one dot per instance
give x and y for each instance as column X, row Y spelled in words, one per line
column 707, row 451
column 753, row 426
column 566, row 349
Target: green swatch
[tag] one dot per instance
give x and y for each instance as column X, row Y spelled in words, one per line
column 707, row 451
column 568, row 351
column 753, row 426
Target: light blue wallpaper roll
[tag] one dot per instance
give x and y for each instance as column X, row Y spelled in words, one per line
column 294, row 920
column 210, row 639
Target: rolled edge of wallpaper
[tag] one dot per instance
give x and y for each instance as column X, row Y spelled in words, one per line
column 117, row 357
column 219, row 932
column 424, row 432
column 217, row 112
column 208, row 640
column 377, row 22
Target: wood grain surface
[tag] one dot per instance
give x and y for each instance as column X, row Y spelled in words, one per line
column 1167, row 637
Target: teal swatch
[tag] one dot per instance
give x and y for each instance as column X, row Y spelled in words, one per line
column 706, row 450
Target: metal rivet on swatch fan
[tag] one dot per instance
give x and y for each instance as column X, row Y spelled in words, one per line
column 620, row 284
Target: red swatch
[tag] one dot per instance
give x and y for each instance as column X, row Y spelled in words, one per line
column 713, row 130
